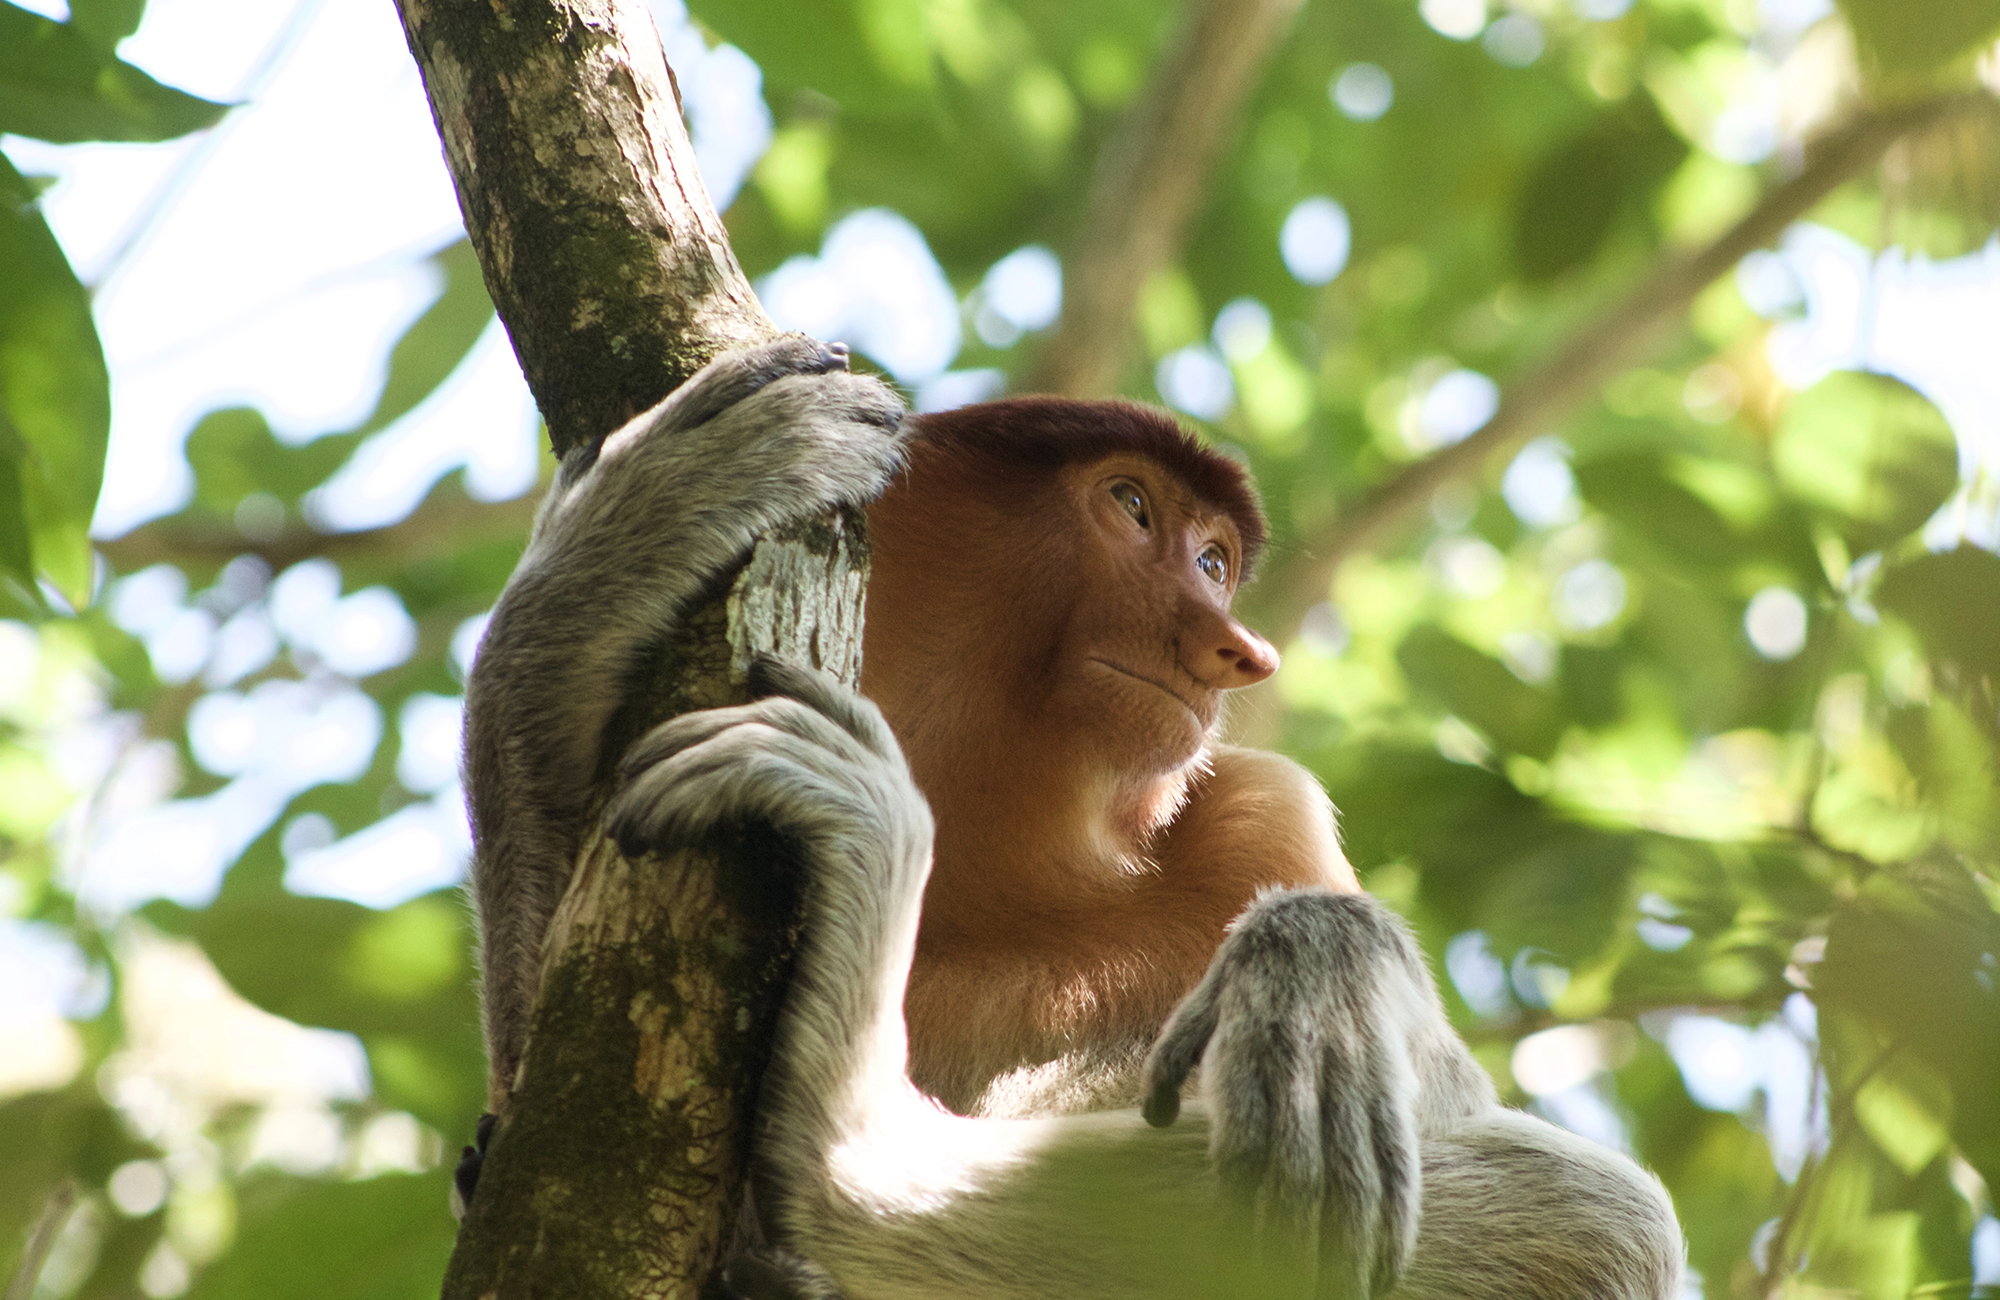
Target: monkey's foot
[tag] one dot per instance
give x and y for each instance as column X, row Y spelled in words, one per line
column 767, row 1273
column 465, row 1179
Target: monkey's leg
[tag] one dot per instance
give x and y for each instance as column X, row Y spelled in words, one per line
column 1518, row 1209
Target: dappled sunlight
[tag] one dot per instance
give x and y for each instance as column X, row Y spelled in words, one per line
column 1661, row 704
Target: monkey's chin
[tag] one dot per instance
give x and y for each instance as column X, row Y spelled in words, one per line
column 1147, row 726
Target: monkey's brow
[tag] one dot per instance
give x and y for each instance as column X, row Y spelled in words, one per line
column 1167, row 489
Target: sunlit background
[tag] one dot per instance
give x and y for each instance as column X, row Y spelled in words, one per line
column 275, row 262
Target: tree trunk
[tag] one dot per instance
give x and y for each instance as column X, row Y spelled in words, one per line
column 619, row 1172
column 609, row 265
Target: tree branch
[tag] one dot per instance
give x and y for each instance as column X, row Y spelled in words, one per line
column 561, row 124
column 1540, row 397
column 617, row 1167
column 1149, row 184
column 42, row 1239
column 442, row 527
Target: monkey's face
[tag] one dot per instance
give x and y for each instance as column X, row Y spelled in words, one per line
column 1080, row 616
column 1143, row 644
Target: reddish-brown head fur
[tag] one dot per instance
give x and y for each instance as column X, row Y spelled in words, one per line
column 1035, row 436
column 1052, row 654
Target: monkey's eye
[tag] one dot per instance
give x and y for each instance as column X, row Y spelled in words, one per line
column 1215, row 564
column 1132, row 501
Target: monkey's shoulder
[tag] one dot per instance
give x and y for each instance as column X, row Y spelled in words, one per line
column 1261, row 816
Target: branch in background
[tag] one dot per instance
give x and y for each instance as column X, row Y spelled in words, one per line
column 42, row 1239
column 1150, row 182
column 604, row 256
column 1780, row 1261
column 438, row 529
column 1542, row 396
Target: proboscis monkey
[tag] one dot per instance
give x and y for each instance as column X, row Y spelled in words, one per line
column 1033, row 888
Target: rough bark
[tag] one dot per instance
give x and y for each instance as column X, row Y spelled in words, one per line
column 1149, row 184
column 607, row 262
column 619, row 1172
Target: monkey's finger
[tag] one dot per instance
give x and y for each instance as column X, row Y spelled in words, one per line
column 772, row 675
column 829, row 409
column 1350, row 1208
column 660, row 799
column 770, row 1274
column 737, row 374
column 686, row 799
column 1178, row 1047
column 1399, row 1175
column 779, row 713
column 745, row 738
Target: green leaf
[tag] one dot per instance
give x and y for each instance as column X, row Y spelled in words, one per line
column 1637, row 489
column 1917, row 957
column 17, row 553
column 106, row 22
column 852, row 41
column 1450, row 820
column 1565, row 895
column 1900, row 37
column 1479, row 689
column 1576, row 194
column 1953, row 602
column 49, row 1134
column 60, row 82
column 1871, row 450
column 400, row 980
column 234, row 453
column 387, row 1238
column 438, row 340
column 54, row 392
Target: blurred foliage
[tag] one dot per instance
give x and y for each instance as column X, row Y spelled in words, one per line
column 1611, row 798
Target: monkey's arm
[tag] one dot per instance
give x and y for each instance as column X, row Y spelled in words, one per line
column 1335, row 1085
column 631, row 537
column 894, row 1198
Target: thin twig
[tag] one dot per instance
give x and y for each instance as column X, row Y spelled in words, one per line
column 167, row 194
column 1528, row 1023
column 1151, row 180
column 42, row 1239
column 1778, row 1262
column 1537, row 399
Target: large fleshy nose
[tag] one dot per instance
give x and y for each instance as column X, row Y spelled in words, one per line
column 1221, row 653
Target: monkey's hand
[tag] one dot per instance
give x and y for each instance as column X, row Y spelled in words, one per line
column 817, row 763
column 1302, row 1027
column 632, row 537
column 812, row 760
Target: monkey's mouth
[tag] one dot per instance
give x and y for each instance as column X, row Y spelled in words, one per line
column 1156, row 685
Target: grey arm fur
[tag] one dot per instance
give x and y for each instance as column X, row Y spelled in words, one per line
column 630, row 537
column 1347, row 1144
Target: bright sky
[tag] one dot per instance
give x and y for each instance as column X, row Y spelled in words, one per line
column 275, row 261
